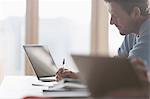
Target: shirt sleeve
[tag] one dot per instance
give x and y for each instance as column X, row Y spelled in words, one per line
column 142, row 48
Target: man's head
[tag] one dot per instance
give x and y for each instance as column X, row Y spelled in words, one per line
column 128, row 15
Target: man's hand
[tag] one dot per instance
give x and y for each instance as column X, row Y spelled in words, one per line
column 65, row 73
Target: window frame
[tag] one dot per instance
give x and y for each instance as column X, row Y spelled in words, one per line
column 99, row 28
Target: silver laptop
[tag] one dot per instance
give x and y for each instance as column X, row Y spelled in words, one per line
column 42, row 62
column 104, row 74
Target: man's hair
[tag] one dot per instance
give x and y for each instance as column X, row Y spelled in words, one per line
column 128, row 5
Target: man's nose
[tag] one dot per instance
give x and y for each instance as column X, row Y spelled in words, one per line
column 112, row 21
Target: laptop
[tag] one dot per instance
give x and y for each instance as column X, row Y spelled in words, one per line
column 41, row 61
column 104, row 74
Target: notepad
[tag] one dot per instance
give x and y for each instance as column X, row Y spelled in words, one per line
column 67, row 84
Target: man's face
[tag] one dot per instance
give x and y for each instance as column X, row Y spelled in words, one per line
column 121, row 19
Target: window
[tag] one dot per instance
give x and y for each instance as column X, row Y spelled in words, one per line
column 65, row 27
column 12, row 15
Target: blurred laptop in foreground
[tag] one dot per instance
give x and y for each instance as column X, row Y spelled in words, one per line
column 104, row 75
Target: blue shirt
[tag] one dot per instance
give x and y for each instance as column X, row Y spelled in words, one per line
column 137, row 46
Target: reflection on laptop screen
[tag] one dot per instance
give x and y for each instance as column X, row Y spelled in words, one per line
column 41, row 60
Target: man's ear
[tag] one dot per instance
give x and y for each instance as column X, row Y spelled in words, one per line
column 136, row 13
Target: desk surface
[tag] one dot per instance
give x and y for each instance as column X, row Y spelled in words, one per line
column 19, row 86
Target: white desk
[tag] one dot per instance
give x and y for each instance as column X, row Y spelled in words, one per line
column 16, row 87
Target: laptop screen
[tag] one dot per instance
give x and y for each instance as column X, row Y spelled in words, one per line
column 105, row 74
column 41, row 60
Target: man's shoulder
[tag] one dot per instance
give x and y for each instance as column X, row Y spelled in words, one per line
column 145, row 28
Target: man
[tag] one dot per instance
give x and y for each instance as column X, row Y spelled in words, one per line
column 132, row 18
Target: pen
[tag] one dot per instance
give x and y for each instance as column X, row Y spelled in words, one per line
column 63, row 63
